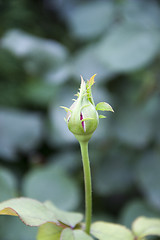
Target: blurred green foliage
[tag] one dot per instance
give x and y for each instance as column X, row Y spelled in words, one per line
column 45, row 46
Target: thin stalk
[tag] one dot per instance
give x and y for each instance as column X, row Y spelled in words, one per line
column 88, row 186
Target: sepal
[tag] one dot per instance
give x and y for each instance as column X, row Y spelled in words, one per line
column 103, row 106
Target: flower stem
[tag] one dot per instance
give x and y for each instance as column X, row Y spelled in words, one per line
column 88, row 186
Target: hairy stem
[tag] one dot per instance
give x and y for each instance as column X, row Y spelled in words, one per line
column 88, row 186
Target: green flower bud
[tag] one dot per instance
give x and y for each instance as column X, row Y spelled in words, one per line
column 82, row 117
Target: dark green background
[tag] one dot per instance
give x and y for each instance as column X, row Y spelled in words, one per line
column 45, row 46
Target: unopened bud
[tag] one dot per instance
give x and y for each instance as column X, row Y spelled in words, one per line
column 82, row 117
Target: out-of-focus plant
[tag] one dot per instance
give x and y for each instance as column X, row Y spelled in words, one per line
column 55, row 224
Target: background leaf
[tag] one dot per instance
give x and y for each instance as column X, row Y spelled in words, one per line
column 139, row 134
column 86, row 26
column 121, row 50
column 135, row 209
column 12, row 227
column 55, row 178
column 7, row 184
column 148, row 177
column 52, row 53
column 113, row 175
column 20, row 131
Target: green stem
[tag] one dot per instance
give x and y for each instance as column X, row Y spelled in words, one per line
column 88, row 186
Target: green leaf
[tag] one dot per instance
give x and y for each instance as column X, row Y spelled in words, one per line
column 67, row 234
column 143, row 227
column 49, row 231
column 68, row 218
column 31, row 212
column 110, row 231
column 34, row 213
column 81, row 235
column 103, row 106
